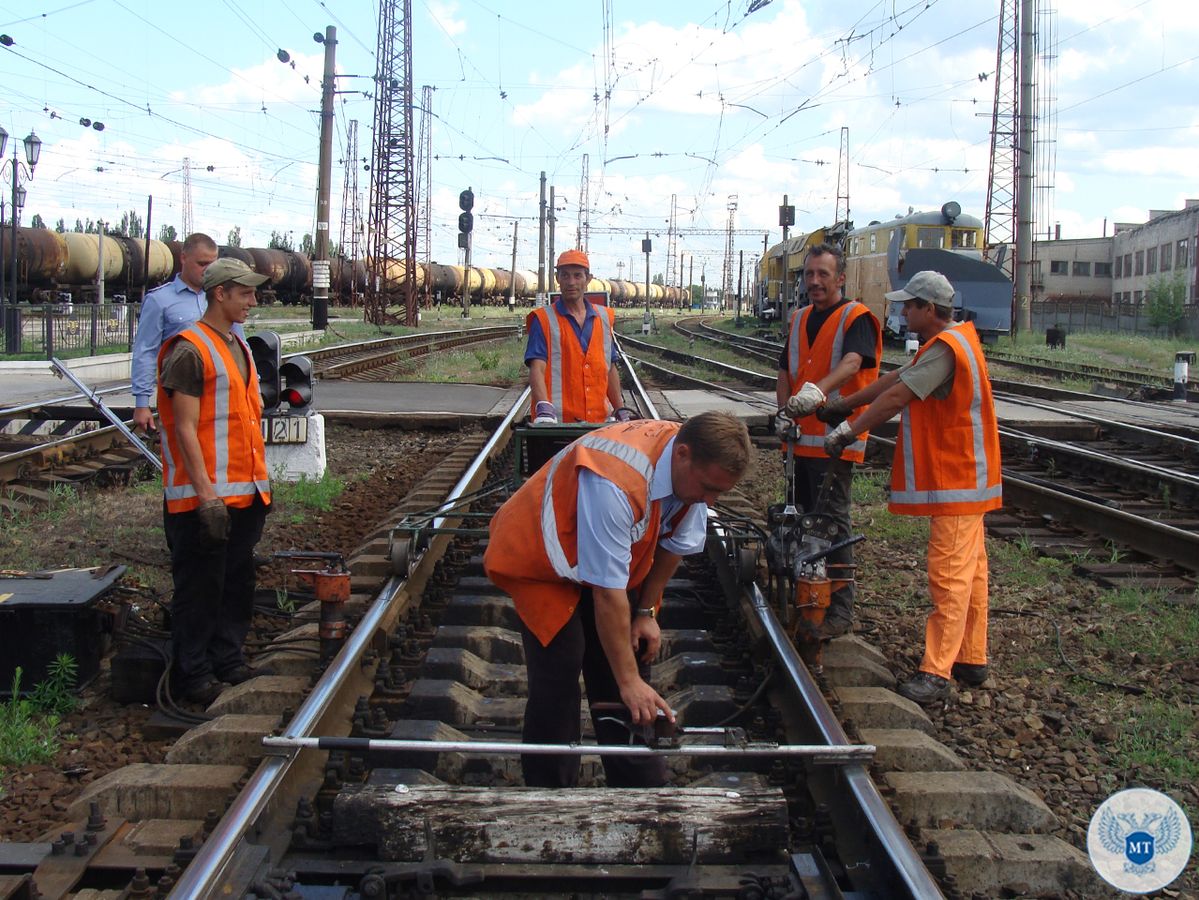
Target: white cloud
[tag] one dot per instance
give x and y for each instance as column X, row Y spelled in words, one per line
column 445, row 14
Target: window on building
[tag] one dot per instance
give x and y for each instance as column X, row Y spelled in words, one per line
column 873, row 241
column 1140, row 258
column 1151, row 261
column 1119, row 259
column 1103, row 270
column 1082, row 269
column 1164, row 256
column 929, row 238
column 1136, row 296
column 1059, row 267
column 1127, row 265
column 1181, row 256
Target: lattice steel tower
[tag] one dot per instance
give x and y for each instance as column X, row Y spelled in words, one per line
column 1005, row 130
column 842, row 211
column 348, row 249
column 187, row 197
column 728, row 250
column 584, row 235
column 392, row 261
column 424, row 184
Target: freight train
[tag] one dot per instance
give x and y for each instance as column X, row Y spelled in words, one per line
column 882, row 256
column 53, row 267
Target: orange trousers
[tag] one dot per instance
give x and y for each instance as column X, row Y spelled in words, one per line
column 956, row 630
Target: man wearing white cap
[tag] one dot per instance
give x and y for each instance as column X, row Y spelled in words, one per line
column 946, row 466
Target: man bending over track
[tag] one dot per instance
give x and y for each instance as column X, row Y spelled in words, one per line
column 604, row 522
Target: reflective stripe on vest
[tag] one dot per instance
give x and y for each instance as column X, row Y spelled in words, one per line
column 554, row 361
column 981, row 491
column 221, row 485
column 630, row 456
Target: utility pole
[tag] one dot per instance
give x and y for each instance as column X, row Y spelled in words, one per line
column 691, row 282
column 1026, row 166
column 187, row 197
column 646, row 247
column 551, row 270
column 727, row 280
column 842, row 212
column 672, row 238
column 512, row 280
column 740, row 281
column 324, row 177
column 541, row 247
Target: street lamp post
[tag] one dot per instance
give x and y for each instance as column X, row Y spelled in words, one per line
column 33, row 151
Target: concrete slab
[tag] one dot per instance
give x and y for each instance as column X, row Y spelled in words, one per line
column 876, row 707
column 690, row 403
column 850, row 646
column 159, row 791
column 264, row 695
column 987, row 800
column 1015, row 865
column 160, row 837
column 502, row 645
column 857, row 671
column 908, row 750
column 230, row 739
column 492, row 679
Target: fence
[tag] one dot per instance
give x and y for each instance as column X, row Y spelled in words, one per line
column 1131, row 318
column 70, row 329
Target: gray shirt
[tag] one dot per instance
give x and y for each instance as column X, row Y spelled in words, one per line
column 931, row 373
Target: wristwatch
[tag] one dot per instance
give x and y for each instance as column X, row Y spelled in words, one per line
column 651, row 612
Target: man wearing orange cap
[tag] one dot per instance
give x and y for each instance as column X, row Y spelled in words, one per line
column 571, row 352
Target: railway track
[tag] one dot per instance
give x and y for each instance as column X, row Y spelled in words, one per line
column 433, row 656
column 1119, row 501
column 58, row 441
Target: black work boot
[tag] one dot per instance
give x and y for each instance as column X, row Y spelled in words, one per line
column 970, row 674
column 924, row 688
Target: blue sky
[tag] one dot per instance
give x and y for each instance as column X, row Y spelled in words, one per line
column 705, row 101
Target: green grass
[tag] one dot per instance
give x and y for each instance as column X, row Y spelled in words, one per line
column 670, row 339
column 498, row 363
column 1102, row 347
column 296, row 499
column 1151, row 737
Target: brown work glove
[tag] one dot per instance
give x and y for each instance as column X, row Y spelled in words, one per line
column 214, row 520
column 834, row 411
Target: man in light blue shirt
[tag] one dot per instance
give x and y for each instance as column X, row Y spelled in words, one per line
column 166, row 311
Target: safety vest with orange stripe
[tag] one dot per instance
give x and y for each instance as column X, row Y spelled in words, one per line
column 229, row 427
column 532, row 552
column 812, row 362
column 576, row 382
column 947, row 456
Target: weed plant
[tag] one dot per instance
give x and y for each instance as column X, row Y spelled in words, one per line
column 29, row 726
column 296, row 498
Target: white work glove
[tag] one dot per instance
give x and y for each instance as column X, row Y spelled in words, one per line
column 838, row 439
column 545, row 413
column 782, row 424
column 806, row 402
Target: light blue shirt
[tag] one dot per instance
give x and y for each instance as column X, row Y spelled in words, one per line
column 605, row 525
column 166, row 311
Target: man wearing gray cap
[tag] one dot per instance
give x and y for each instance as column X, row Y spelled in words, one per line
column 947, row 466
column 215, row 484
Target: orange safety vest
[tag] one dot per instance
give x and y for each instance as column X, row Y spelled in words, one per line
column 577, row 382
column 229, row 429
column 532, row 552
column 947, row 455
column 811, row 363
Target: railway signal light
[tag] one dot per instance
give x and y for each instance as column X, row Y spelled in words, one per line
column 466, row 221
column 296, row 375
column 265, row 348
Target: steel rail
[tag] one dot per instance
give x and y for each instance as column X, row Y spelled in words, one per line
column 202, row 874
column 12, row 412
column 12, row 464
column 821, row 753
column 878, row 826
column 745, row 375
column 768, row 406
column 639, row 390
column 1124, row 428
column 321, row 353
column 1132, row 467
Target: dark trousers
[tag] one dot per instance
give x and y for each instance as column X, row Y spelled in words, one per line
column 214, row 593
column 554, row 707
column 809, row 481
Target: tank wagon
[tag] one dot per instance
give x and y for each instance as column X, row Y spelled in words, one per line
column 53, row 267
